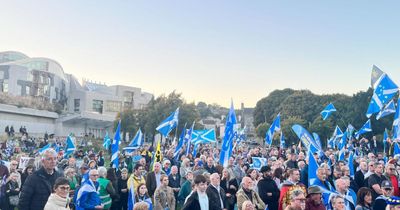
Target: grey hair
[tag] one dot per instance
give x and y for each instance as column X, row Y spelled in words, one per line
column 295, row 193
column 334, row 198
column 47, row 152
column 68, row 170
column 102, row 171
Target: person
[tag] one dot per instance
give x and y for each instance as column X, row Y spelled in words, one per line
column 247, row 205
column 123, row 189
column 12, row 190
column 136, row 177
column 141, row 195
column 210, row 166
column 342, row 188
column 198, row 199
column 114, row 183
column 375, row 180
column 186, row 188
column 59, row 200
column 106, row 191
column 297, row 200
column 390, row 174
column 29, row 169
column 88, row 197
column 141, row 206
column 247, row 193
column 184, row 169
column 70, row 174
column 153, row 179
column 313, row 201
column 292, row 183
column 337, row 202
column 359, row 175
column 393, row 203
column 215, row 194
column 164, row 196
column 268, row 189
column 38, row 187
column 380, row 202
column 364, row 199
column 230, row 187
column 174, row 181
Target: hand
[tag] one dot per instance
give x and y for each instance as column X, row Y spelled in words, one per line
column 269, row 194
column 16, row 189
column 124, row 190
column 99, row 207
column 228, row 195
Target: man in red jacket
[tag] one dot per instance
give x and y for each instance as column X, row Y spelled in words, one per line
column 291, row 184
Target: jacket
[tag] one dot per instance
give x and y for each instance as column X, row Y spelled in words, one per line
column 184, row 191
column 88, row 196
column 151, row 183
column 192, row 202
column 164, row 197
column 256, row 200
column 286, row 189
column 214, row 200
column 265, row 186
column 37, row 189
column 56, row 202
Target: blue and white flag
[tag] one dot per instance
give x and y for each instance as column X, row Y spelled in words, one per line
column 181, row 142
column 389, row 109
column 337, row 133
column 329, row 109
column 396, row 122
column 115, row 147
column 43, row 149
column 385, row 137
column 351, row 164
column 317, row 140
column 282, row 141
column 312, row 169
column 305, row 137
column 203, row 136
column 70, row 148
column 275, row 127
column 168, row 124
column 131, row 196
column 365, row 129
column 227, row 143
column 136, row 142
column 188, row 139
column 396, row 148
column 258, row 162
column 87, row 187
column 106, row 141
column 383, row 92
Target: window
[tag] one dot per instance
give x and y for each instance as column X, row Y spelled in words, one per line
column 1, row 74
column 5, row 86
column 29, row 77
column 113, row 106
column 77, row 104
column 27, row 90
column 98, row 106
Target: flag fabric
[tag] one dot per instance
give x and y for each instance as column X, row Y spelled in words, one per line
column 375, row 75
column 282, row 141
column 331, row 143
column 188, row 139
column 131, row 196
column 70, row 148
column 158, row 154
column 365, row 129
column 317, row 140
column 304, row 136
column 396, row 149
column 168, row 124
column 136, row 142
column 383, row 92
column 385, row 137
column 312, row 169
column 275, row 127
column 329, row 109
column 258, row 162
column 180, row 142
column 387, row 110
column 43, row 149
column 115, row 147
column 106, row 141
column 351, row 164
column 227, row 143
column 87, row 187
column 203, row 136
column 396, row 122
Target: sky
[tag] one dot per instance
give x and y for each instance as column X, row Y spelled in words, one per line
column 211, row 51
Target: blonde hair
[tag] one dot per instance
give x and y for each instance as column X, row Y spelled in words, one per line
column 141, row 206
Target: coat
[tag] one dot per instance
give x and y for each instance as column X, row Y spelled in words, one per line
column 265, row 186
column 192, row 202
column 88, row 196
column 151, row 183
column 214, row 202
column 56, row 202
column 164, row 196
column 37, row 189
column 256, row 200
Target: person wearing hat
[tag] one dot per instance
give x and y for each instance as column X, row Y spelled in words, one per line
column 292, row 183
column 387, row 191
column 393, row 203
column 390, row 174
column 267, row 189
column 314, row 201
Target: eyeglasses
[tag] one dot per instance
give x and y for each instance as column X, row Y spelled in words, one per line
column 392, row 169
column 64, row 187
column 303, row 200
column 387, row 189
column 94, row 175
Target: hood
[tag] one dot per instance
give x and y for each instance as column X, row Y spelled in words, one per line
column 59, row 201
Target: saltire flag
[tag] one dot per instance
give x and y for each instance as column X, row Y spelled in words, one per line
column 341, row 154
column 329, row 109
column 312, row 169
column 396, row 149
column 87, row 187
column 343, row 141
column 350, row 129
column 180, row 142
column 282, row 141
column 375, row 75
column 385, row 137
column 195, row 147
column 169, row 123
column 115, row 147
column 70, row 148
column 43, row 149
column 389, row 109
column 275, row 127
column 317, row 140
column 384, row 90
column 131, row 196
column 337, row 133
column 106, row 141
column 396, row 122
column 304, row 136
column 331, row 142
column 203, row 136
column 136, row 142
column 351, row 164
column 188, row 139
column 258, row 162
column 227, row 143
column 365, row 129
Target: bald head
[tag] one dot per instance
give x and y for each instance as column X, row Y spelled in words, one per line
column 247, row 183
column 215, row 179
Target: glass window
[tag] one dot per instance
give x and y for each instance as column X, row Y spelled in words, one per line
column 27, row 90
column 113, row 106
column 98, row 106
column 1, row 74
column 5, row 86
column 77, row 104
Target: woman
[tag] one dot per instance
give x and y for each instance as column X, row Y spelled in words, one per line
column 12, row 190
column 143, row 196
column 230, row 187
column 28, row 171
column 59, row 200
column 123, row 189
column 278, row 176
column 337, row 202
column 253, row 174
column 185, row 167
column 100, row 158
column 106, row 190
column 364, row 199
column 164, row 195
column 114, row 181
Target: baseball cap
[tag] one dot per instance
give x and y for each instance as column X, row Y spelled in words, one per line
column 386, row 184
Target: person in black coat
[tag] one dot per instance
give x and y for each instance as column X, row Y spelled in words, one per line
column 38, row 186
column 123, row 190
column 267, row 189
column 230, row 187
column 216, row 195
column 174, row 181
column 193, row 201
column 151, row 179
column 359, row 175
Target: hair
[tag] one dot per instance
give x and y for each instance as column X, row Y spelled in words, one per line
column 111, row 175
column 163, row 176
column 141, row 206
column 28, row 167
column 68, row 170
column 102, row 171
column 295, row 193
column 291, row 171
column 138, row 187
column 60, row 181
column 137, row 166
column 362, row 192
column 47, row 152
column 334, row 198
column 124, row 170
column 200, row 179
column 278, row 173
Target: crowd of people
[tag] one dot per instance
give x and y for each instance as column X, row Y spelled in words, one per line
column 85, row 180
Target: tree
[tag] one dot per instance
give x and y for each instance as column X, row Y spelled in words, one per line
column 262, row 129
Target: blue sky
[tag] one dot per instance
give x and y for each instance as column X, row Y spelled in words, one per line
column 211, row 51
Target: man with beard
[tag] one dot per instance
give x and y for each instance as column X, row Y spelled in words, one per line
column 314, row 201
column 267, row 189
column 342, row 188
column 297, row 200
column 291, row 184
column 247, row 193
column 380, row 202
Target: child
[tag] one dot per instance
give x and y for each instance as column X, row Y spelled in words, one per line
column 12, row 190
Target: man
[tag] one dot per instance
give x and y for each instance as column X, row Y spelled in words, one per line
column 198, row 199
column 174, row 181
column 322, row 182
column 374, row 145
column 314, row 201
column 267, row 189
column 359, row 175
column 136, row 177
column 297, row 200
column 88, row 196
column 4, row 174
column 375, row 180
column 380, row 202
column 38, row 186
column 14, row 169
column 342, row 188
column 390, row 174
column 291, row 184
column 247, row 193
column 167, row 167
column 371, row 170
column 215, row 194
column 186, row 187
column 292, row 162
column 153, row 179
column 210, row 166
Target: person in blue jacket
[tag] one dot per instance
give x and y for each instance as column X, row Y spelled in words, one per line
column 88, row 197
